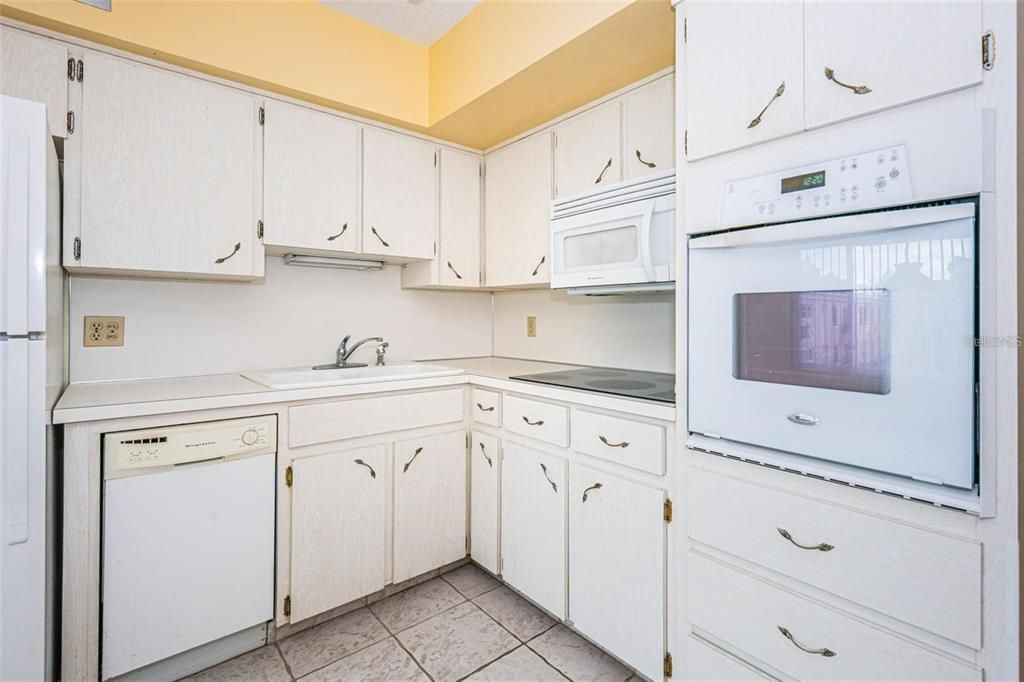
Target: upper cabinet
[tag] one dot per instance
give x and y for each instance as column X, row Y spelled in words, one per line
column 399, row 179
column 648, row 124
column 162, row 175
column 517, row 200
column 36, row 68
column 587, row 150
column 311, row 168
column 862, row 57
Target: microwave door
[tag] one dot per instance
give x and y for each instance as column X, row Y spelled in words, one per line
column 602, row 247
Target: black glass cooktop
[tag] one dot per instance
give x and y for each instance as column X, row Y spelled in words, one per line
column 623, row 382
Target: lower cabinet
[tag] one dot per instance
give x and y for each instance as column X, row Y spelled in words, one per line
column 484, row 482
column 430, row 503
column 339, row 529
column 617, row 543
column 533, row 531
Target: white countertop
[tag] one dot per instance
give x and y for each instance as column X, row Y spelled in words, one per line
column 96, row 401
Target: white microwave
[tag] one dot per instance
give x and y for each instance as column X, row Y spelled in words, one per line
column 618, row 240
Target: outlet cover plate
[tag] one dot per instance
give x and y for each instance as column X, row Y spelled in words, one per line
column 531, row 326
column 103, row 331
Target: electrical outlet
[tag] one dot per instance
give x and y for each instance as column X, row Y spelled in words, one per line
column 104, row 331
column 531, row 326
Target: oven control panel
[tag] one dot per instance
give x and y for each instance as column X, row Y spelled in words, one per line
column 852, row 183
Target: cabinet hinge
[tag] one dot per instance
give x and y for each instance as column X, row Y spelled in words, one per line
column 435, row 159
column 71, row 122
column 668, row 665
column 684, row 30
column 288, row 605
column 686, row 142
column 259, row 229
column 263, row 115
column 76, row 250
column 80, row 71
column 556, row 140
column 988, row 50
column 288, row 477
column 666, row 511
column 71, row 69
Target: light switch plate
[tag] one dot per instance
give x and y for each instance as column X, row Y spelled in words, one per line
column 531, row 326
column 103, row 331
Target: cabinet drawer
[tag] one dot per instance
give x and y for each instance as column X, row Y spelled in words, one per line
column 543, row 421
column 871, row 561
column 630, row 443
column 705, row 661
column 325, row 422
column 485, row 406
column 803, row 638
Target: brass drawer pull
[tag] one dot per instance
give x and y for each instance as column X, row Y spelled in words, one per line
column 377, row 235
column 485, row 409
column 537, row 269
column 483, row 451
column 855, row 89
column 623, row 444
column 545, row 470
column 450, row 267
column 649, row 164
column 821, row 547
column 603, row 171
column 596, row 486
column 233, row 252
column 335, row 236
column 827, row 653
column 539, row 422
column 373, row 474
column 414, row 456
column 778, row 93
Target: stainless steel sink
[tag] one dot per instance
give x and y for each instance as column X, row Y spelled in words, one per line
column 307, row 377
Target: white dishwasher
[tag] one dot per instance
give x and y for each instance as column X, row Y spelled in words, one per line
column 188, row 538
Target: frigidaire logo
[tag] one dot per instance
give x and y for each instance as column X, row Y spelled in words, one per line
column 199, row 445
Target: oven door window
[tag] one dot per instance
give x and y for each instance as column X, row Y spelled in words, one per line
column 837, row 339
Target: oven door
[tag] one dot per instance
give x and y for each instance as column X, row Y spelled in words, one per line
column 847, row 339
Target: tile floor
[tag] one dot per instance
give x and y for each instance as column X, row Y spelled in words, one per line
column 463, row 625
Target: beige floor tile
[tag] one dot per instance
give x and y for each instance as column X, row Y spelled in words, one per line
column 262, row 665
column 576, row 658
column 416, row 604
column 327, row 642
column 471, row 580
column 521, row 664
column 457, row 642
column 518, row 616
column 382, row 661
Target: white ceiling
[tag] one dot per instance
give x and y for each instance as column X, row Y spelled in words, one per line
column 421, row 21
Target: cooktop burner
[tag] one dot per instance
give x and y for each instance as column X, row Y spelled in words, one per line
column 624, row 382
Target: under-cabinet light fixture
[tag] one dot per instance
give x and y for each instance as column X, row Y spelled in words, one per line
column 331, row 262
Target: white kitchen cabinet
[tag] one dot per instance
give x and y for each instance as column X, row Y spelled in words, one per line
column 587, row 152
column 744, row 73
column 517, row 201
column 311, row 169
column 162, row 175
column 484, row 466
column 648, row 124
column 882, row 54
column 36, row 68
column 338, row 529
column 533, row 525
column 399, row 209
column 430, row 503
column 617, row 545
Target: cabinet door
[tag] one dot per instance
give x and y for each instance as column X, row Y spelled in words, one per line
column 339, row 529
column 459, row 189
column 587, row 150
column 430, row 503
column 167, row 173
column 36, row 68
column 517, row 201
column 399, row 211
column 484, row 466
column 533, row 530
column 617, row 566
column 862, row 57
column 310, row 179
column 744, row 73
column 648, row 121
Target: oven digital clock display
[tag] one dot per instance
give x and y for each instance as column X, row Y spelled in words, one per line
column 805, row 181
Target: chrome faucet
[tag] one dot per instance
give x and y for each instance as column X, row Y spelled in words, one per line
column 344, row 353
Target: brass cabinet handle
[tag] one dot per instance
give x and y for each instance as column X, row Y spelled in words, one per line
column 545, row 470
column 821, row 547
column 603, row 171
column 450, row 267
column 483, row 451
column 335, row 236
column 485, row 409
column 649, row 164
column 827, row 653
column 377, row 235
column 233, row 252
column 855, row 89
column 537, row 269
column 596, row 486
column 623, row 444
column 778, row 93
column 539, row 422
column 414, row 456
column 373, row 474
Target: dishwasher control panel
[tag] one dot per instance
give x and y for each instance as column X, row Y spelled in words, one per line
column 167, row 446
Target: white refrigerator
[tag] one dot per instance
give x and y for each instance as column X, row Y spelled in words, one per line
column 32, row 351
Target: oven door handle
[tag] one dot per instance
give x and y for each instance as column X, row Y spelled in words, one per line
column 839, row 226
column 646, row 259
